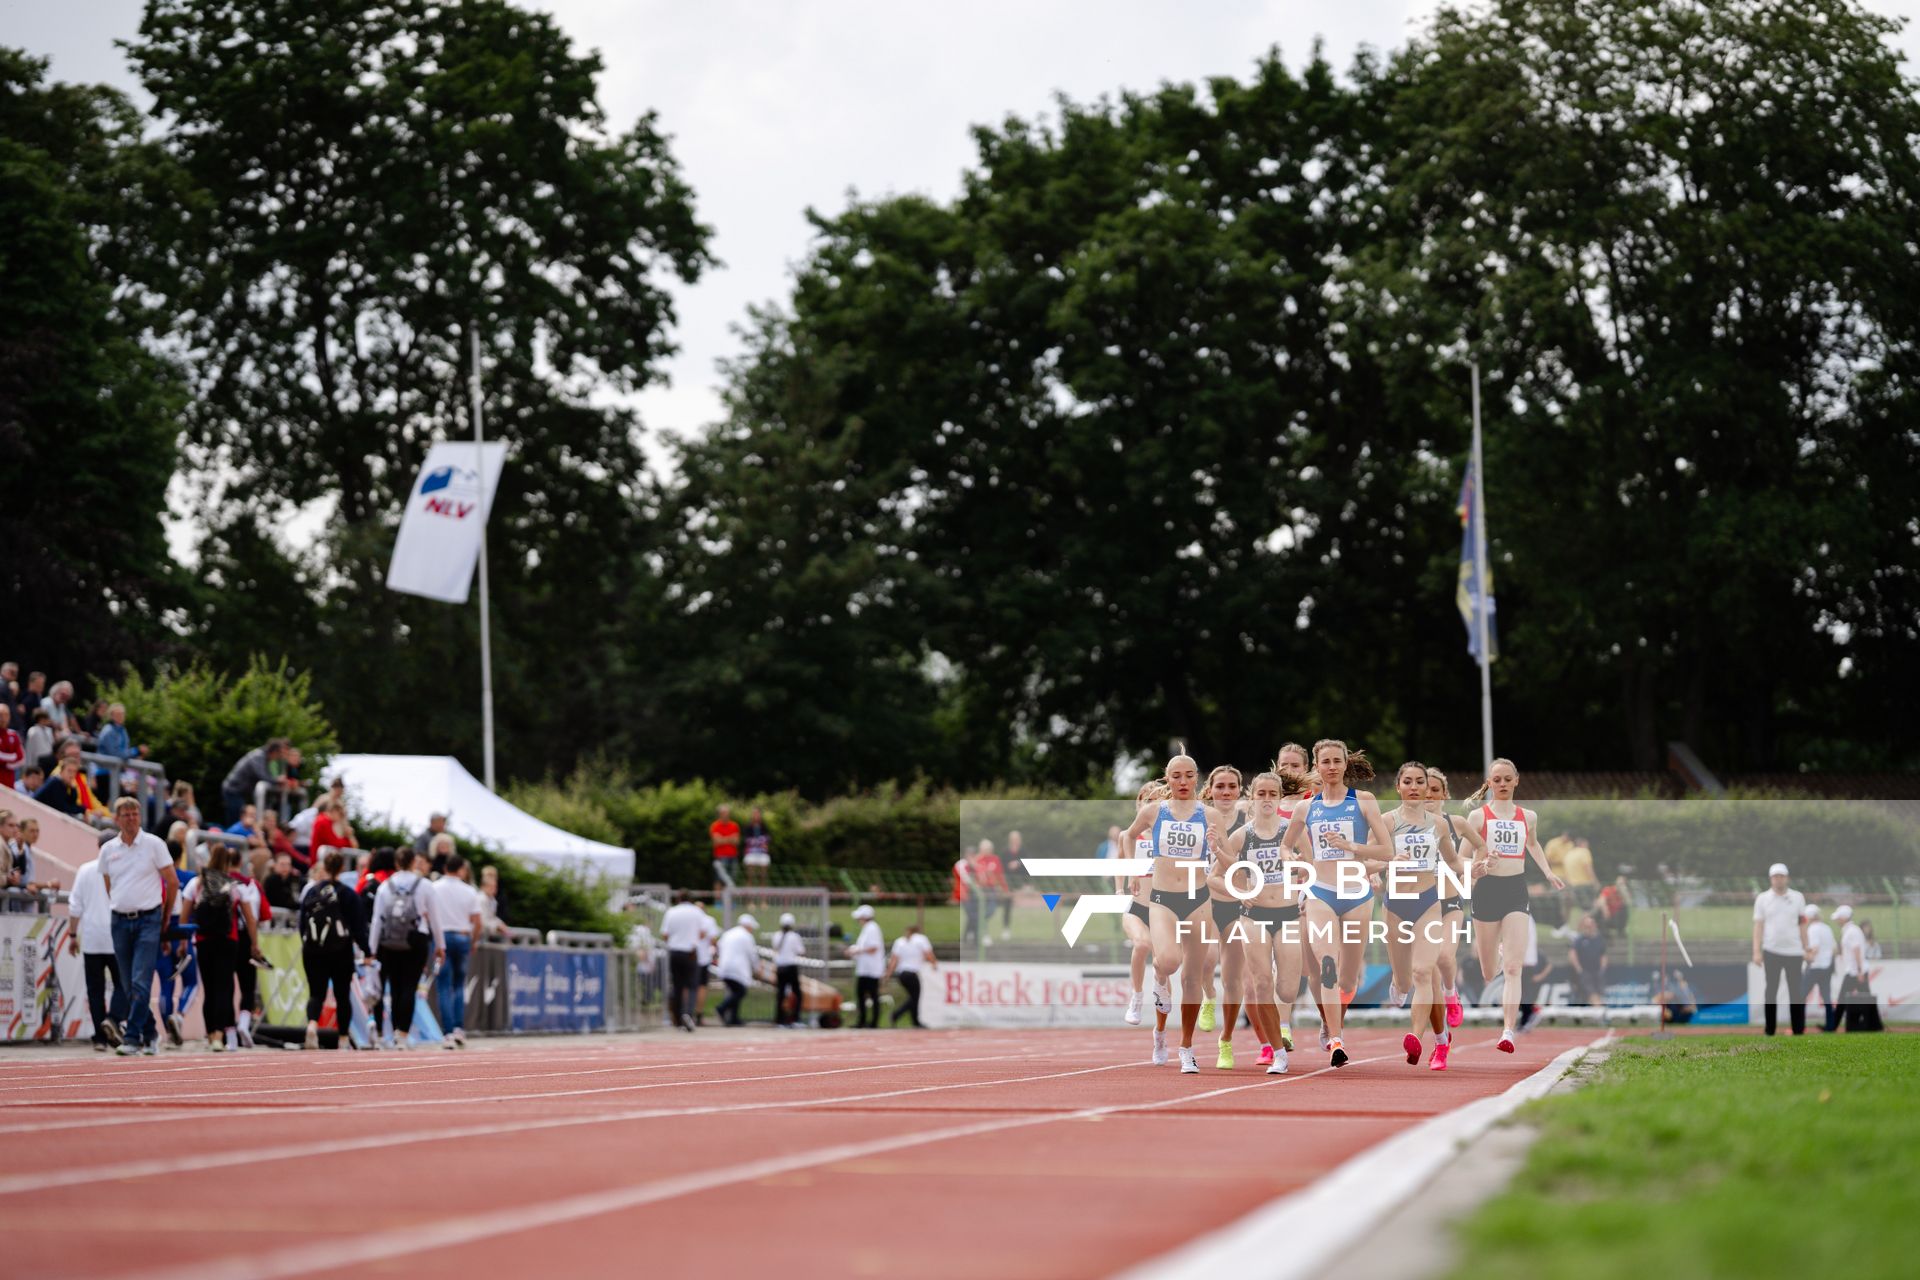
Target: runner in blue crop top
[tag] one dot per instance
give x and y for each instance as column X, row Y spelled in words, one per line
column 1338, row 826
column 1182, row 845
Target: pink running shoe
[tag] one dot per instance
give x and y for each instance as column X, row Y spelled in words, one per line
column 1439, row 1062
column 1266, row 1055
column 1455, row 1014
column 1412, row 1045
column 1506, row 1042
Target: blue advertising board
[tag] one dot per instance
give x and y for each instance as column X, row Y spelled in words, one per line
column 549, row 989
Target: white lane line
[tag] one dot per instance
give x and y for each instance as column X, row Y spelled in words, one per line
column 23, row 1183
column 1303, row 1234
column 450, row 1233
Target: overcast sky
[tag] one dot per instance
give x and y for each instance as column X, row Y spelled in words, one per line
column 775, row 106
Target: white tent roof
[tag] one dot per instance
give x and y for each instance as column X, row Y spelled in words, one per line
column 405, row 791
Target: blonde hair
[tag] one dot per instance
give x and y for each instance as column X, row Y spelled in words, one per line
column 1359, row 768
column 1446, row 791
column 1152, row 792
column 1479, row 797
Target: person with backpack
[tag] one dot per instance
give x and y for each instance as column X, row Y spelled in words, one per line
column 404, row 936
column 331, row 926
column 213, row 900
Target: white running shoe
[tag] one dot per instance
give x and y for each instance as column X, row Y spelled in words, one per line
column 245, row 1036
column 1188, row 1066
column 1394, row 997
column 1133, row 1009
column 1326, row 1042
column 1159, row 1048
column 1279, row 1067
column 313, row 1037
column 1162, row 997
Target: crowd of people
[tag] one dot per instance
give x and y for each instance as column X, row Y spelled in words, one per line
column 148, row 917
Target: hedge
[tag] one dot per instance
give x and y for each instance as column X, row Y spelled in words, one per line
column 1821, row 841
column 532, row 897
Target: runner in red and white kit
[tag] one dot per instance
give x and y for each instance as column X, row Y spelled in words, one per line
column 1500, row 907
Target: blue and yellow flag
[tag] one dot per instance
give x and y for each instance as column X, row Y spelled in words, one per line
column 1467, row 594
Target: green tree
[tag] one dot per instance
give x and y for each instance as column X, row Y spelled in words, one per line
column 1679, row 237
column 87, row 416
column 378, row 184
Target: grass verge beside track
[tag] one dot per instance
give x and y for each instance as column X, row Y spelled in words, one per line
column 1717, row 1155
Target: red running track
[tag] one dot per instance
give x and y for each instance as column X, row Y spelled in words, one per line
column 1041, row 1154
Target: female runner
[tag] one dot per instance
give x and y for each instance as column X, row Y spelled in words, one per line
column 1338, row 826
column 1229, row 943
column 1140, row 937
column 1500, row 906
column 1421, row 842
column 1296, row 779
column 1182, row 842
column 1273, row 916
column 1453, row 908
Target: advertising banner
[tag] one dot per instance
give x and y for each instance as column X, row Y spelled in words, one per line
column 550, row 989
column 43, row 988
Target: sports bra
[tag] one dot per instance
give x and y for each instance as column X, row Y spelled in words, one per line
column 1416, row 849
column 1507, row 837
column 1266, row 855
column 1184, row 839
column 1324, row 820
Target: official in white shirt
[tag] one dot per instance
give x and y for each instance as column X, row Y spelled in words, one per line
column 681, row 929
column 789, row 948
column 458, row 907
column 703, row 967
column 1851, row 968
column 91, row 939
column 137, row 873
column 1780, row 945
column 911, row 953
column 739, row 961
column 1821, row 949
column 869, row 956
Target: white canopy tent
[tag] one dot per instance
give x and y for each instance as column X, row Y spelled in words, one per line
column 405, row 791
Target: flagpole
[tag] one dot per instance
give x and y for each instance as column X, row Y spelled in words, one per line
column 1479, row 573
column 486, row 628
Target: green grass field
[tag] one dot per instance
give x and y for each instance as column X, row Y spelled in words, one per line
column 1718, row 1156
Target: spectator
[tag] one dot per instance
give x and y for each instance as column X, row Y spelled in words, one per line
column 282, row 885
column 1614, row 908
column 60, row 712
column 258, row 858
column 438, row 855
column 966, row 892
column 789, row 948
column 1873, row 943
column 331, row 830
column 491, row 925
column 405, row 935
column 248, row 772
column 759, row 846
column 1110, row 847
column 177, row 972
column 869, row 956
column 1556, row 850
column 725, row 834
column 16, row 861
column 681, row 928
column 459, row 908
column 739, row 960
column 70, row 749
column 1861, row 1007
column 423, row 843
column 92, row 941
column 709, row 946
column 13, row 752
column 1821, row 949
column 34, row 694
column 1588, row 956
column 138, row 877
column 1780, row 944
column 115, row 741
column 29, row 857
column 61, row 792
column 990, row 875
column 95, row 719
column 32, row 778
column 10, row 687
column 1677, row 1001
column 1578, row 873
column 228, row 937
column 332, row 925
column 278, row 844
column 249, row 891
column 246, row 823
column 910, row 951
column 40, row 738
column 182, row 794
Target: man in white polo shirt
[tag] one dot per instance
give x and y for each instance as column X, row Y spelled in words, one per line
column 681, row 929
column 911, row 952
column 138, row 874
column 92, row 940
column 456, row 903
column 738, row 963
column 1780, row 945
column 869, row 956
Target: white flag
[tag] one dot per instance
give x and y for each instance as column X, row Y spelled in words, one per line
column 445, row 519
